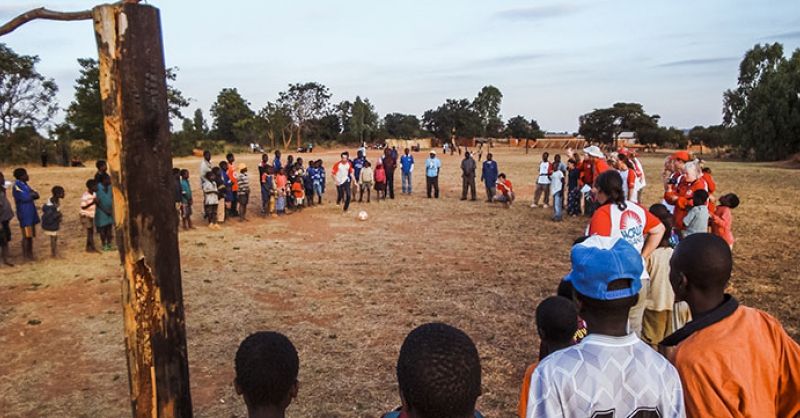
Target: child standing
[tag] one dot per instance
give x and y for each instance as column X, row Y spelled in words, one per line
column 267, row 191
column 298, row 192
column 27, row 215
column 211, row 199
column 380, row 181
column 6, row 214
column 556, row 323
column 657, row 319
column 243, row 181
column 573, row 189
column 186, row 200
column 557, row 191
column 308, row 183
column 51, row 218
column 318, row 179
column 88, row 208
column 365, row 181
column 222, row 193
column 104, row 215
column 696, row 220
column 280, row 184
column 722, row 219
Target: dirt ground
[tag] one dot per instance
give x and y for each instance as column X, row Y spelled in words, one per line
column 345, row 291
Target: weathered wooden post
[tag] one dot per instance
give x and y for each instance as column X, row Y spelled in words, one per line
column 134, row 94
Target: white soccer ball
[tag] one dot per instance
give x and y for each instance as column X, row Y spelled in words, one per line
column 363, row 215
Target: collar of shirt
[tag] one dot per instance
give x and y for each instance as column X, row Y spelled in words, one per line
column 721, row 312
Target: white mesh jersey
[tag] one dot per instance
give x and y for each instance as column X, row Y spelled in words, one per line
column 608, row 377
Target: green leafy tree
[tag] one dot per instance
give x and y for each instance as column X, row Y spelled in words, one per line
column 453, row 119
column 518, row 127
column 305, row 102
column 229, row 109
column 27, row 98
column 85, row 114
column 763, row 112
column 398, row 125
column 279, row 124
column 605, row 125
column 713, row 136
column 487, row 105
column 199, row 125
column 324, row 129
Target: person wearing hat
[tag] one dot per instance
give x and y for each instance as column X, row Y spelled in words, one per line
column 468, row 169
column 681, row 195
column 432, row 167
column 597, row 160
column 243, row 181
column 611, row 372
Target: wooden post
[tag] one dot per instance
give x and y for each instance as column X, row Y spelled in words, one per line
column 134, row 94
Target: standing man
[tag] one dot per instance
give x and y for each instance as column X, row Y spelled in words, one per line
column 432, row 166
column 489, row 176
column 390, row 164
column 406, row 167
column 205, row 167
column 234, row 184
column 543, row 182
column 342, row 175
column 358, row 165
column 468, row 168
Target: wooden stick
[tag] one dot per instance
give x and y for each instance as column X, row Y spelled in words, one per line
column 42, row 13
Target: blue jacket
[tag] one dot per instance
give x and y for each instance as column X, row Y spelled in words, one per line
column 104, row 215
column 489, row 173
column 26, row 209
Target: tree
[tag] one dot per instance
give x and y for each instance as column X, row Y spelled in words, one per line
column 229, row 109
column 326, row 128
column 605, row 125
column 199, row 124
column 713, row 136
column 398, row 125
column 279, row 123
column 763, row 112
column 453, row 119
column 487, row 105
column 27, row 98
column 85, row 113
column 305, row 102
column 520, row 128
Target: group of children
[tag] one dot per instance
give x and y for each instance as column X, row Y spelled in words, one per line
column 731, row 361
column 96, row 212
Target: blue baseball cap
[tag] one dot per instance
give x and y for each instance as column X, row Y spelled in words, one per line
column 598, row 261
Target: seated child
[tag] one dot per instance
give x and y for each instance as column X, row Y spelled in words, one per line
column 266, row 374
column 365, row 181
column 556, row 323
column 505, row 191
column 722, row 219
column 439, row 374
column 51, row 218
column 696, row 221
column 380, row 181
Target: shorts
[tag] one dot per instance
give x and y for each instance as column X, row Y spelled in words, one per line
column 50, row 233
column 87, row 222
column 5, row 234
column 186, row 211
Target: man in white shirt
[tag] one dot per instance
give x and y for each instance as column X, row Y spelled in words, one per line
column 543, row 182
column 342, row 173
column 610, row 373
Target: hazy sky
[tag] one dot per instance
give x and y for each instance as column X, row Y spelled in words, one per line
column 552, row 60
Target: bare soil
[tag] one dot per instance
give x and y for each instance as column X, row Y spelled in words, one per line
column 345, row 291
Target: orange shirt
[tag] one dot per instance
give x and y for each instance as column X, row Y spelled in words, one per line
column 737, row 362
column 721, row 224
column 599, row 165
column 523, row 392
column 504, row 187
column 297, row 190
column 712, row 185
column 233, row 178
column 682, row 198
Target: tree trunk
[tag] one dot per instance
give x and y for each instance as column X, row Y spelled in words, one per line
column 134, row 93
column 299, row 134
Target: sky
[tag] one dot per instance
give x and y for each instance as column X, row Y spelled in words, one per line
column 552, row 60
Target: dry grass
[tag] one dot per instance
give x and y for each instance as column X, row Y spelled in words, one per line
column 346, row 292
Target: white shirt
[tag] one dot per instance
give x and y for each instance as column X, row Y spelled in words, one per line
column 605, row 376
column 544, row 173
column 557, row 184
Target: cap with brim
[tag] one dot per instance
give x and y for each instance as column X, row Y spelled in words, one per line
column 598, row 261
column 594, row 151
column 681, row 155
column 624, row 151
column 433, row 152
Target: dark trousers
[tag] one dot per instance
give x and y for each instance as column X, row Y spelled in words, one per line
column 390, row 183
column 468, row 183
column 432, row 184
column 344, row 190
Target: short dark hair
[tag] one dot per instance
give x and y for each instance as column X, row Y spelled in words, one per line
column 700, row 197
column 730, row 200
column 557, row 319
column 19, row 173
column 266, row 368
column 439, row 372
column 91, row 184
column 184, row 172
column 705, row 260
column 611, row 309
column 503, row 175
column 100, row 163
column 228, row 156
column 57, row 191
column 662, row 213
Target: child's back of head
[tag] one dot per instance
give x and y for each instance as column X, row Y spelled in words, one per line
column 729, row 200
column 557, row 323
column 700, row 197
column 439, row 372
column 266, row 371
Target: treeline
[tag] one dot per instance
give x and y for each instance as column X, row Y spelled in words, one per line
column 761, row 117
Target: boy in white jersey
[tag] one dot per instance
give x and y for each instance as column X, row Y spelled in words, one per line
column 611, row 373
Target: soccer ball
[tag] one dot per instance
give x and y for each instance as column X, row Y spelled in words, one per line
column 363, row 216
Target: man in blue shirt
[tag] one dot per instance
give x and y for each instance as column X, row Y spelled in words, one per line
column 432, row 166
column 489, row 176
column 358, row 164
column 407, row 166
